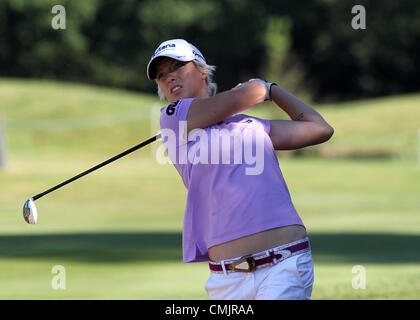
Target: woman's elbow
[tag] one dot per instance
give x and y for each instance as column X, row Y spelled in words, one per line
column 327, row 132
column 322, row 133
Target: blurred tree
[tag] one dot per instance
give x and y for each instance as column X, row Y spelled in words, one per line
column 308, row 47
column 281, row 65
column 345, row 63
column 229, row 33
column 29, row 46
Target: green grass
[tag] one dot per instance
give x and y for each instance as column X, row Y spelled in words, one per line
column 117, row 231
column 384, row 127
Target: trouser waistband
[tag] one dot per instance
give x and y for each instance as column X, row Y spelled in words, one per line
column 269, row 257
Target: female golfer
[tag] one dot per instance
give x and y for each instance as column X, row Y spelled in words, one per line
column 239, row 216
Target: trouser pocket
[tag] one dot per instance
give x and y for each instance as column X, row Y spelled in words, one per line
column 305, row 268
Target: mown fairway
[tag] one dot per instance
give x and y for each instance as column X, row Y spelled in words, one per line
column 117, row 232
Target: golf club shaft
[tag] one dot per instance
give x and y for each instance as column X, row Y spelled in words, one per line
column 122, row 154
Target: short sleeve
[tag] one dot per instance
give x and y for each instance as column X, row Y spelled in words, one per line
column 173, row 118
column 264, row 122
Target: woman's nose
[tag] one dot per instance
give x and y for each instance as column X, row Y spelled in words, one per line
column 170, row 77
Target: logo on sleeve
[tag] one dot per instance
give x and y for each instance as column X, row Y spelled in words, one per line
column 170, row 110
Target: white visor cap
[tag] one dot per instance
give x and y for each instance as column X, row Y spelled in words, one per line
column 177, row 49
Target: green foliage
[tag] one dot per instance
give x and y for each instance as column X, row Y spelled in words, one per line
column 308, row 47
column 278, row 40
column 280, row 63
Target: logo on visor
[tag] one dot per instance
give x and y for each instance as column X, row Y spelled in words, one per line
column 170, row 45
column 197, row 54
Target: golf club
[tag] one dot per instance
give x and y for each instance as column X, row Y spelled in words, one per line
column 30, row 212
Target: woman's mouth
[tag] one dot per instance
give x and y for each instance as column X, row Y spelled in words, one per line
column 175, row 89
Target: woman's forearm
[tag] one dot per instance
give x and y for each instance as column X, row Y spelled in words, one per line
column 294, row 107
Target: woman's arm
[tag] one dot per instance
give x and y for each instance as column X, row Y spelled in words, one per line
column 306, row 127
column 212, row 110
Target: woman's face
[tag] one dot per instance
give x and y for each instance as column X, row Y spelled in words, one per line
column 178, row 80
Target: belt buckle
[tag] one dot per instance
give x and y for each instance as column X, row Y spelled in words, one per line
column 284, row 254
column 246, row 261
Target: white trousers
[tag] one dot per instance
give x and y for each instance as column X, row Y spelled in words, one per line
column 290, row 279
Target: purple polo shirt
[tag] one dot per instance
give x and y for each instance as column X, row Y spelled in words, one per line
column 235, row 185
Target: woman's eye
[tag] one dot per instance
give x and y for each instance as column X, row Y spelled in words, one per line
column 172, row 68
column 177, row 65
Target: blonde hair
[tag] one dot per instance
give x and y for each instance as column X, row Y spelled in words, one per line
column 203, row 68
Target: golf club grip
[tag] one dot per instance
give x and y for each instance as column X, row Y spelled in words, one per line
column 122, row 154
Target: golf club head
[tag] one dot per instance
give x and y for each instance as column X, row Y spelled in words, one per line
column 30, row 213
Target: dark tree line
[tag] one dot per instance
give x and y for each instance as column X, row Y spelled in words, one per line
column 306, row 46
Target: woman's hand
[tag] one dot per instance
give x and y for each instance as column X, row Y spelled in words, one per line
column 268, row 86
column 237, row 86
